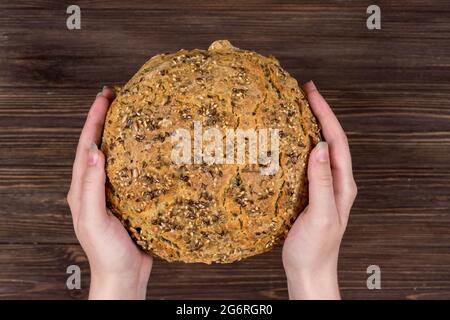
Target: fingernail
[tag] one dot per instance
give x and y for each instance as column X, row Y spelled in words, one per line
column 93, row 154
column 311, row 85
column 109, row 91
column 99, row 94
column 322, row 152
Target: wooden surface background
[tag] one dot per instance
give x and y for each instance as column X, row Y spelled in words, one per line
column 390, row 89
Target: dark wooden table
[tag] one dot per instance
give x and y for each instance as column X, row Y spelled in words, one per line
column 390, row 89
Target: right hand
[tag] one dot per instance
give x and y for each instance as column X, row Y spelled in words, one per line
column 311, row 249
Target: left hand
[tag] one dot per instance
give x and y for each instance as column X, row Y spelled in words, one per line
column 119, row 270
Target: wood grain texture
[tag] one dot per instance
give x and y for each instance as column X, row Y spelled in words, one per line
column 390, row 89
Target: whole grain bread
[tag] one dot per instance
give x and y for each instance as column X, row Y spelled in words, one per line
column 206, row 212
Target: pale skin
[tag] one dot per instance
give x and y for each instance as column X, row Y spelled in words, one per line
column 119, row 270
column 311, row 249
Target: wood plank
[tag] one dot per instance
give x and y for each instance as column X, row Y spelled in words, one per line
column 39, row 272
column 408, row 209
column 378, row 123
column 65, row 58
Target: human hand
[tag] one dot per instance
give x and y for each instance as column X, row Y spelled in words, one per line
column 119, row 270
column 311, row 249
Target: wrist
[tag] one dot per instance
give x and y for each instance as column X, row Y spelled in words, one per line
column 105, row 286
column 313, row 284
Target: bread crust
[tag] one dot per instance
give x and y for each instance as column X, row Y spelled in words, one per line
column 206, row 212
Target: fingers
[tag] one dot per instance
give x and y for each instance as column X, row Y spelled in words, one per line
column 341, row 162
column 91, row 133
column 93, row 204
column 321, row 192
column 109, row 93
column 93, row 126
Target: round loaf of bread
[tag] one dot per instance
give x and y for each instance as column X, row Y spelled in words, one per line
column 207, row 153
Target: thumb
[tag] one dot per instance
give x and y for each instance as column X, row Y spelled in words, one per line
column 321, row 193
column 93, row 205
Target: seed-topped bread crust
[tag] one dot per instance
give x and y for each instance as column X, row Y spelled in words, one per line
column 206, row 212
